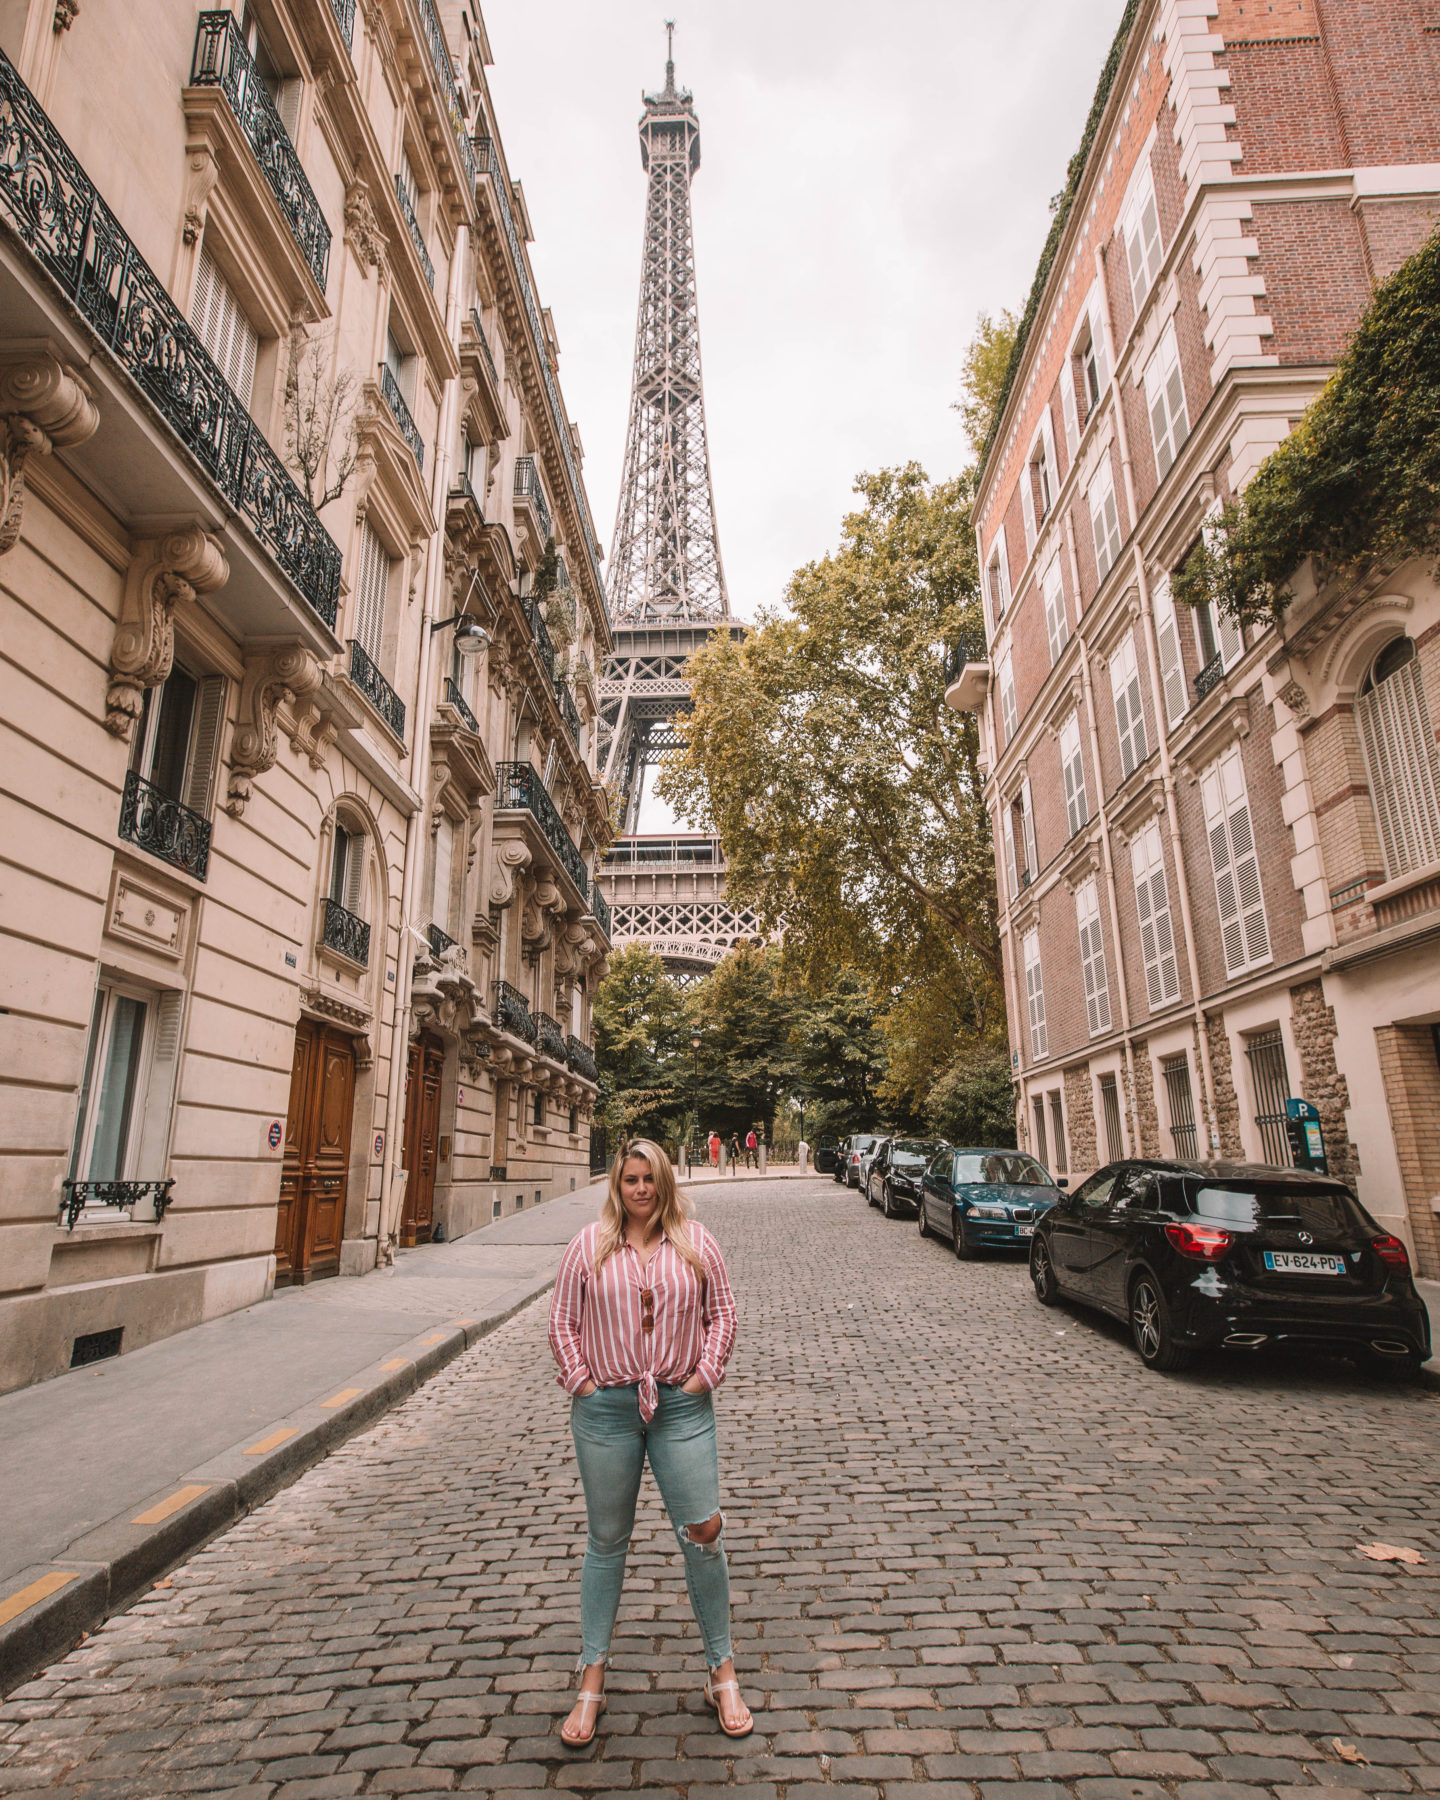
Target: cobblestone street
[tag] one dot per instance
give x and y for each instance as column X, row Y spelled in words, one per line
column 975, row 1548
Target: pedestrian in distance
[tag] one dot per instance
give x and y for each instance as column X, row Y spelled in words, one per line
column 642, row 1324
column 752, row 1150
column 734, row 1151
column 714, row 1149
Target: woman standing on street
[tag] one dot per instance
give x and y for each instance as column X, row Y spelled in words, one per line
column 642, row 1324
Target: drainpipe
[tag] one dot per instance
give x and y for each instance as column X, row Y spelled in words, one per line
column 419, row 769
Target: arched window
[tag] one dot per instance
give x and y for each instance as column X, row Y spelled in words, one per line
column 1400, row 750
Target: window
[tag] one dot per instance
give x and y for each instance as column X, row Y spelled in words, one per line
column 1093, row 372
column 1165, row 400
column 1167, row 638
column 1110, row 1113
column 1022, row 825
column 1104, row 520
column 539, row 1113
column 997, row 578
column 1038, row 481
column 574, row 1120
column 1092, row 957
column 1265, row 1052
column 1037, row 1107
column 1057, row 623
column 122, row 1120
column 223, row 329
column 1035, row 994
column 371, row 586
column 1400, row 752
column 1057, row 1131
column 1141, row 226
column 444, row 867
column 1009, row 831
column 1009, row 717
column 1176, row 1071
column 1077, row 802
column 176, row 744
column 1129, row 709
column 1152, row 906
column 401, row 365
column 1236, row 867
column 347, row 869
column 285, row 94
column 1068, row 406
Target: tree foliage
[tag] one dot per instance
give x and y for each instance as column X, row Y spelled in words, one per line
column 982, row 375
column 642, row 1047
column 839, row 1058
column 744, row 1019
column 1358, row 481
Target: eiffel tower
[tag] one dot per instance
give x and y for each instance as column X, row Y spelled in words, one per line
column 666, row 577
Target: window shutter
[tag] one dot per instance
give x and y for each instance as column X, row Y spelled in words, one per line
column 1096, row 313
column 1057, row 624
column 1012, row 872
column 1077, row 805
column 1230, row 639
column 160, row 1088
column 1092, row 957
column 1129, row 709
column 1142, row 239
column 1008, row 714
column 205, row 744
column 1027, row 505
column 1243, row 930
column 444, row 866
column 1003, row 603
column 1167, row 637
column 354, row 900
column 1069, row 408
column 1104, row 521
column 370, row 591
column 223, row 328
column 1152, row 905
column 1052, row 461
column 1165, row 399
column 1035, row 996
column 1404, row 769
column 1032, row 858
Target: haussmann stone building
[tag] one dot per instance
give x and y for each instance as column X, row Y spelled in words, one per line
column 301, row 928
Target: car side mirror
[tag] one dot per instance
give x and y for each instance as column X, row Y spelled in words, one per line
column 1062, row 1181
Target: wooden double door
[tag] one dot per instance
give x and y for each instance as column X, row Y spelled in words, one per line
column 315, row 1175
column 424, row 1074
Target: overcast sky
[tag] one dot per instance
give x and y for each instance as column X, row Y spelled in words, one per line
column 871, row 178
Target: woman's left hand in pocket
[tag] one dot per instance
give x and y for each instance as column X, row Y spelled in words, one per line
column 694, row 1386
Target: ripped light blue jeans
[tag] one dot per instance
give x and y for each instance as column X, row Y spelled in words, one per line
column 611, row 1444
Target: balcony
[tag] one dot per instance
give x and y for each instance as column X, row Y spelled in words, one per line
column 344, row 11
column 438, row 940
column 345, row 934
column 518, row 788
column 484, row 344
column 453, row 697
column 581, row 1059
column 600, row 912
column 1210, row 676
column 154, row 822
column 125, row 1196
column 549, row 1038
column 376, row 689
column 427, row 267
column 539, row 633
column 967, row 675
column 568, row 711
column 401, row 414
column 512, row 1014
column 528, row 488
column 221, row 60
column 51, row 204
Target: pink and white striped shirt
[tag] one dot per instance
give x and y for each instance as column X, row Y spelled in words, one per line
column 596, row 1321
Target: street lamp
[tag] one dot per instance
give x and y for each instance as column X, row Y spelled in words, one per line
column 695, row 1091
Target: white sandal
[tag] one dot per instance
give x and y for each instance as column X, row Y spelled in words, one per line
column 714, row 1688
column 581, row 1743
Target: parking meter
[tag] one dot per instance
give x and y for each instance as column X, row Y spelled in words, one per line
column 1307, row 1141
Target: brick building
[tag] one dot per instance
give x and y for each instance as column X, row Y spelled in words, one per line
column 301, row 816
column 1218, row 850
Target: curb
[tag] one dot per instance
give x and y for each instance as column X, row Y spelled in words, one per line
column 46, row 1609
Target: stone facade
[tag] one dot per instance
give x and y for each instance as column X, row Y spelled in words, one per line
column 300, row 784
column 1080, row 1117
column 1227, row 1101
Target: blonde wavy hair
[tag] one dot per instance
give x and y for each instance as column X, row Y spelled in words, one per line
column 674, row 1219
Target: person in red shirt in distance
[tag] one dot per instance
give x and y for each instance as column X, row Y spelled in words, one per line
column 642, row 1324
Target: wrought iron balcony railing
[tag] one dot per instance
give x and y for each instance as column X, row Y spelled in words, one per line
column 438, row 48
column 401, row 414
column 222, row 60
column 455, row 698
column 488, row 163
column 402, row 194
column 581, row 1059
column 153, row 821
column 124, row 1195
column 540, row 632
column 440, row 941
column 51, row 203
column 512, row 1014
column 346, row 935
column 344, row 11
column 376, row 689
column 518, row 788
column 463, row 490
column 568, row 711
column 484, row 344
column 966, row 650
column 528, row 487
column 600, row 912
column 549, row 1038
column 1210, row 676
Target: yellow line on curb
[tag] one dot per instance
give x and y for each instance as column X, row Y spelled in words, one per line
column 344, row 1395
column 275, row 1439
column 467, row 1321
column 36, row 1592
column 162, row 1509
column 434, row 1338
column 395, row 1362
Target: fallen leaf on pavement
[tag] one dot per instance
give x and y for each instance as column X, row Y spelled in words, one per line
column 164, row 1583
column 1390, row 1553
column 1346, row 1752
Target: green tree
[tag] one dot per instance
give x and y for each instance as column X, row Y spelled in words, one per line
column 839, row 1058
column 982, row 376
column 642, row 1048
column 743, row 1018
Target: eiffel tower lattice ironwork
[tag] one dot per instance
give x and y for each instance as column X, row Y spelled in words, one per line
column 666, row 578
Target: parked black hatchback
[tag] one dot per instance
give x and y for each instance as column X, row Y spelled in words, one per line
column 1204, row 1255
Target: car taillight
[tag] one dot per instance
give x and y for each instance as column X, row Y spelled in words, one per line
column 1206, row 1242
column 1391, row 1250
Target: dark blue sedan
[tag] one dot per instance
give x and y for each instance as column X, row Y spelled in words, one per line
column 985, row 1199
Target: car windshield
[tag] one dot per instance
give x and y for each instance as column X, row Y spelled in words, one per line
column 1012, row 1169
column 910, row 1156
column 1249, row 1205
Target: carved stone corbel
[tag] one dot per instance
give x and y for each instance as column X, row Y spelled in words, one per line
column 163, row 571
column 44, row 405
column 362, row 230
column 1296, row 699
column 511, row 861
column 202, row 171
column 66, row 13
column 285, row 671
column 312, row 733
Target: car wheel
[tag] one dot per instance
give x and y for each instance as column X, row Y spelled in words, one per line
column 964, row 1251
column 869, row 1193
column 887, row 1205
column 1150, row 1327
column 920, row 1215
column 1042, row 1274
